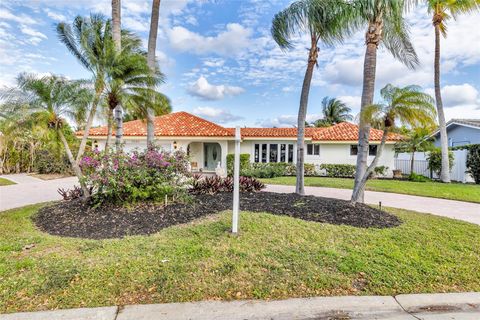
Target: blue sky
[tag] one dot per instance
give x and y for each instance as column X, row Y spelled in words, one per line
column 222, row 64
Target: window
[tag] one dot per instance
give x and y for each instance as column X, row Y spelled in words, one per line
column 283, row 152
column 290, row 153
column 353, row 150
column 274, row 153
column 257, row 153
column 264, row 153
column 372, row 150
column 313, row 149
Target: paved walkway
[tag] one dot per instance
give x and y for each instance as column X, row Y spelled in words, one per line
column 460, row 210
column 453, row 306
column 31, row 190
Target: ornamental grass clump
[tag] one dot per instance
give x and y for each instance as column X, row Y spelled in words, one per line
column 150, row 175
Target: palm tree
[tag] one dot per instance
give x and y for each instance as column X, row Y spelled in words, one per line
column 51, row 99
column 322, row 21
column 385, row 26
column 409, row 105
column 90, row 41
column 334, row 111
column 417, row 140
column 137, row 105
column 442, row 11
column 130, row 75
column 152, row 45
column 117, row 39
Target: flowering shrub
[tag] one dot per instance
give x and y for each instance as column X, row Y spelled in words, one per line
column 142, row 175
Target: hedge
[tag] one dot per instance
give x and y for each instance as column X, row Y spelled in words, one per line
column 244, row 162
column 473, row 162
column 339, row 170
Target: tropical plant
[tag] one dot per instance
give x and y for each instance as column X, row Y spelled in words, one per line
column 152, row 45
column 129, row 78
column 334, row 111
column 409, row 105
column 50, row 100
column 90, row 41
column 442, row 11
column 321, row 21
column 385, row 25
column 435, row 160
column 416, row 140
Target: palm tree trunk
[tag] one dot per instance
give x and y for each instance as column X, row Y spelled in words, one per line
column 412, row 163
column 302, row 115
column 445, row 172
column 371, row 167
column 373, row 38
column 117, row 38
column 109, row 128
column 152, row 45
column 75, row 165
column 88, row 125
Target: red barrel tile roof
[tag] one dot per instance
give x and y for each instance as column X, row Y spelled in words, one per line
column 184, row 124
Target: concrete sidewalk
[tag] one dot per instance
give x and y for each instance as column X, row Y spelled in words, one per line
column 455, row 306
column 31, row 190
column 466, row 211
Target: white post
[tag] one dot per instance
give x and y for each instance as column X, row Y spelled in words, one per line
column 236, row 183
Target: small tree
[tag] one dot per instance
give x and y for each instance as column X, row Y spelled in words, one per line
column 473, row 162
column 418, row 140
column 434, row 159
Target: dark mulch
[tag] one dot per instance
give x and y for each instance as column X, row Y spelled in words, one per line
column 77, row 219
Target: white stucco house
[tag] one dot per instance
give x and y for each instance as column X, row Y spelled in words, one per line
column 208, row 143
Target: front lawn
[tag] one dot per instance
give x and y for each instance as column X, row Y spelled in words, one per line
column 453, row 191
column 6, row 182
column 274, row 257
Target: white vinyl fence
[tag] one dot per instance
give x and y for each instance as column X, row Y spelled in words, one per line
column 420, row 166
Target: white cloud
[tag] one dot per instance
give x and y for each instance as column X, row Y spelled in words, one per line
column 289, row 89
column 230, row 42
column 191, row 20
column 214, row 62
column 20, row 18
column 460, row 95
column 353, row 102
column 286, row 120
column 134, row 23
column 216, row 114
column 201, row 88
column 32, row 32
column 55, row 15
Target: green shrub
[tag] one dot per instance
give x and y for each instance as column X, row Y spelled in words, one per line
column 265, row 170
column 434, row 159
column 417, row 177
column 309, row 169
column 149, row 175
column 473, row 162
column 48, row 161
column 244, row 162
column 380, row 170
column 338, row 170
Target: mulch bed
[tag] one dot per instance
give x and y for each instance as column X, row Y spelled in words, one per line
column 77, row 219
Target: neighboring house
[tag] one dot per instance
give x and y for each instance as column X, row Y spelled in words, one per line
column 460, row 132
column 208, row 143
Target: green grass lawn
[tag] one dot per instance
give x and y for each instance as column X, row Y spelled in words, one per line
column 453, row 191
column 5, row 182
column 274, row 257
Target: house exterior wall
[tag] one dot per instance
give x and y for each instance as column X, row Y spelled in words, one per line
column 330, row 153
column 460, row 136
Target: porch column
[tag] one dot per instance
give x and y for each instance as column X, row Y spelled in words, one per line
column 223, row 160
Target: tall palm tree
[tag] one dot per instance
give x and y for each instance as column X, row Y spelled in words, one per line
column 138, row 104
column 90, row 41
column 152, row 45
column 385, row 25
column 52, row 99
column 129, row 75
column 442, row 11
column 117, row 39
column 409, row 105
column 334, row 111
column 322, row 21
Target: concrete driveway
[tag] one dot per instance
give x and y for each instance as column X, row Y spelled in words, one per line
column 31, row 190
column 460, row 210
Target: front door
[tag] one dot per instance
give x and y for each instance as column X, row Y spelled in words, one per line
column 212, row 155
